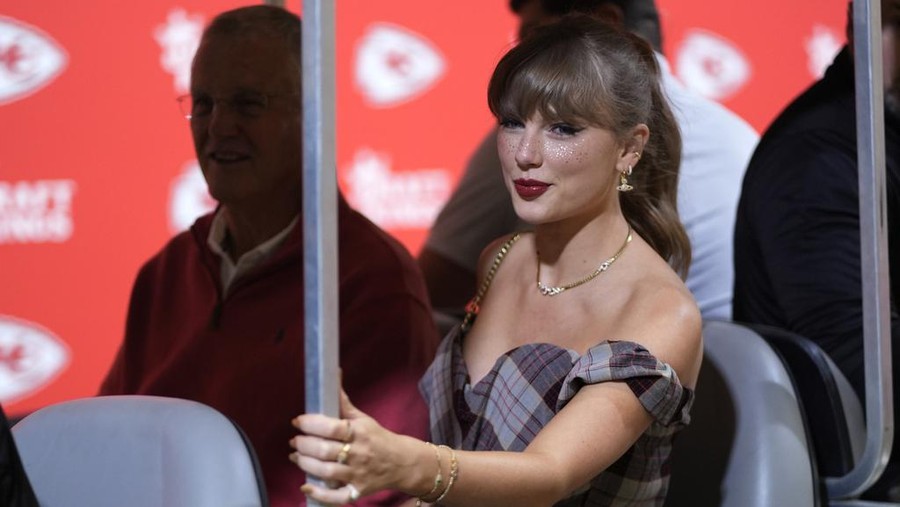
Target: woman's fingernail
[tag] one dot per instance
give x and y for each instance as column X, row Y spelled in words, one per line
column 306, row 489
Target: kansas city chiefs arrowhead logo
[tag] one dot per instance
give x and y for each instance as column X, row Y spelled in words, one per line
column 821, row 46
column 29, row 59
column 712, row 65
column 30, row 357
column 395, row 65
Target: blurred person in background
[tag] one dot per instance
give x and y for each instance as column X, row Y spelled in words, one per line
column 797, row 237
column 15, row 488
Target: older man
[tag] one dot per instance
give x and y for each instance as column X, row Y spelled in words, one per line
column 216, row 316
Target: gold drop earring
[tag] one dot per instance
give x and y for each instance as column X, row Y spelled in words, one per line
column 623, row 176
column 623, row 181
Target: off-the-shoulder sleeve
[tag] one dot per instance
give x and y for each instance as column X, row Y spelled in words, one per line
column 654, row 383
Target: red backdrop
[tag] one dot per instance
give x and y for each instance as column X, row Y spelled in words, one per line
column 97, row 169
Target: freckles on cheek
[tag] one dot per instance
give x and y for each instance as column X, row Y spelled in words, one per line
column 578, row 156
column 506, row 148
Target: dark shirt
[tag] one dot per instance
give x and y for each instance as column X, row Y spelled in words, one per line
column 15, row 489
column 797, row 240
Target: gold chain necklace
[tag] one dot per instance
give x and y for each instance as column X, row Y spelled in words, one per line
column 547, row 290
column 474, row 306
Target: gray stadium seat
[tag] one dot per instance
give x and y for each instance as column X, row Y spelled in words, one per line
column 832, row 409
column 747, row 445
column 138, row 451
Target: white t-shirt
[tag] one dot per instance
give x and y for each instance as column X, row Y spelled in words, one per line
column 716, row 147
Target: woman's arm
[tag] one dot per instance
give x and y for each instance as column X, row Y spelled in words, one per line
column 589, row 434
column 593, row 431
column 566, row 454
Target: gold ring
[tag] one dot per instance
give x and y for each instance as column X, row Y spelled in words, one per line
column 354, row 493
column 343, row 454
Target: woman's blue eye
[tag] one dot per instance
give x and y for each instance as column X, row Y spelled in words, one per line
column 509, row 123
column 565, row 129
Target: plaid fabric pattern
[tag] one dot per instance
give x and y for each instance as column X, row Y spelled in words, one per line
column 528, row 385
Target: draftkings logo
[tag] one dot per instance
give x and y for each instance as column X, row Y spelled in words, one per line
column 36, row 211
column 29, row 59
column 394, row 65
column 30, row 357
column 395, row 200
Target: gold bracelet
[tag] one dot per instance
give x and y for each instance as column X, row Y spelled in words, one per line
column 438, row 479
column 454, row 471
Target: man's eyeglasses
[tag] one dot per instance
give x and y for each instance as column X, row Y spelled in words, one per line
column 246, row 104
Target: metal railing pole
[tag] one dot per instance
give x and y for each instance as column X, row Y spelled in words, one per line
column 320, row 269
column 874, row 253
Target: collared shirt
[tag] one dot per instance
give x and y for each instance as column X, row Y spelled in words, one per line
column 230, row 271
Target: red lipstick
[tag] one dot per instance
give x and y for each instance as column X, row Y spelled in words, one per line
column 530, row 189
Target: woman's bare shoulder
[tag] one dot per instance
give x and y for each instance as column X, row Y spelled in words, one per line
column 662, row 315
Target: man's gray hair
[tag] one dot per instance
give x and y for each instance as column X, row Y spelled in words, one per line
column 259, row 20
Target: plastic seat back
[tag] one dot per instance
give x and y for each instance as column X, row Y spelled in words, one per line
column 747, row 445
column 139, row 451
column 833, row 411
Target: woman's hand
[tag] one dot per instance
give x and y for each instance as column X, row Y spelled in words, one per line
column 355, row 455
